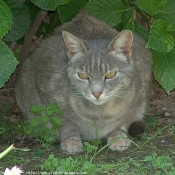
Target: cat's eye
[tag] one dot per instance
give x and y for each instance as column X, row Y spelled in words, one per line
column 110, row 75
column 83, row 76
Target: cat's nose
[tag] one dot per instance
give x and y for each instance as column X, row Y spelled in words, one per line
column 97, row 95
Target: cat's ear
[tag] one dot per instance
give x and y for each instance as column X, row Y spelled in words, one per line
column 122, row 43
column 73, row 44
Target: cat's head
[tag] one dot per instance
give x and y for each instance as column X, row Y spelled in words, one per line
column 99, row 69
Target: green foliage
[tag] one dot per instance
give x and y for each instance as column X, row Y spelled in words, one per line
column 150, row 164
column 88, row 147
column 152, row 7
column 21, row 20
column 160, row 164
column 66, row 12
column 45, row 115
column 110, row 11
column 160, row 40
column 7, row 63
column 47, row 4
column 167, row 14
column 7, row 59
column 158, row 16
column 151, row 120
column 5, row 18
column 69, row 165
column 164, row 69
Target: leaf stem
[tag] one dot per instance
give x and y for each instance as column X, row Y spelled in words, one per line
column 139, row 11
column 4, row 153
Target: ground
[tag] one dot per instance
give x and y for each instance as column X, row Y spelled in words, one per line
column 153, row 140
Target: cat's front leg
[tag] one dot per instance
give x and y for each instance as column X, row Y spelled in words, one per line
column 70, row 138
column 119, row 140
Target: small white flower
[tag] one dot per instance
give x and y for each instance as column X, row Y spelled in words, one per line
column 14, row 171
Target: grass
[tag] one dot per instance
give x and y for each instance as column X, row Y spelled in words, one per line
column 152, row 154
column 134, row 161
column 145, row 159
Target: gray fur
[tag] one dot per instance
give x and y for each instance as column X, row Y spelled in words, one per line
column 50, row 75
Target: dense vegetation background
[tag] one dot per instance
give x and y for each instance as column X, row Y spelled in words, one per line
column 24, row 21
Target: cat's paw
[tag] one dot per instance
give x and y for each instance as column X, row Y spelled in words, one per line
column 121, row 143
column 72, row 146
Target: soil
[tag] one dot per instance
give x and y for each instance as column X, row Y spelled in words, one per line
column 161, row 105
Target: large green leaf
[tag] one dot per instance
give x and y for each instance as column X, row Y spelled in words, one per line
column 21, row 20
column 67, row 12
column 168, row 13
column 46, row 4
column 7, row 63
column 137, row 29
column 152, row 7
column 159, row 39
column 164, row 69
column 128, row 22
column 108, row 10
column 5, row 18
column 64, row 2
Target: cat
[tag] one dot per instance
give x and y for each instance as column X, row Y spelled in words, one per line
column 98, row 76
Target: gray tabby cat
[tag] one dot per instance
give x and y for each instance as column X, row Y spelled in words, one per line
column 96, row 75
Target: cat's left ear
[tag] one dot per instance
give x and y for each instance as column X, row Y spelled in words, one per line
column 73, row 44
column 122, row 43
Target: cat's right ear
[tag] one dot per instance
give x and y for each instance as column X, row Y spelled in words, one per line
column 73, row 44
column 122, row 43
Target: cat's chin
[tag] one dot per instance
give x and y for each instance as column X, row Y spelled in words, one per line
column 98, row 102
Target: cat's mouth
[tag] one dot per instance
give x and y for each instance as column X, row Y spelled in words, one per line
column 103, row 98
column 98, row 102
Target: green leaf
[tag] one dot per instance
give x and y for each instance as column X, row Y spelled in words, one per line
column 55, row 121
column 137, row 28
column 128, row 22
column 7, row 63
column 53, row 130
column 148, row 158
column 151, row 120
column 5, row 18
column 35, row 121
column 46, row 4
column 152, row 7
column 45, row 119
column 39, row 152
column 67, row 12
column 37, row 110
column 28, row 132
column 110, row 11
column 61, row 168
column 64, row 2
column 32, row 9
column 21, row 20
column 159, row 39
column 55, row 163
column 51, row 157
column 164, row 69
column 53, row 108
column 53, row 105
column 168, row 13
